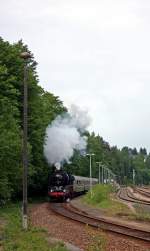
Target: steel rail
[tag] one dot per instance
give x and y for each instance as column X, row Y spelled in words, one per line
column 142, row 192
column 141, row 201
column 131, row 198
column 100, row 223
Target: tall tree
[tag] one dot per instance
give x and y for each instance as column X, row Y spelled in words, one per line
column 43, row 107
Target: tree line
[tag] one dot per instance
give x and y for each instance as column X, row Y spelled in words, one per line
column 43, row 107
column 122, row 162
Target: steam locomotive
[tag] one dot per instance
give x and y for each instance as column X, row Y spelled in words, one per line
column 63, row 186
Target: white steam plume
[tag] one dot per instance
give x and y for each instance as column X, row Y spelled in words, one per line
column 63, row 136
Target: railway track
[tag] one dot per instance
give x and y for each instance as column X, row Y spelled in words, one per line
column 66, row 210
column 126, row 195
column 143, row 191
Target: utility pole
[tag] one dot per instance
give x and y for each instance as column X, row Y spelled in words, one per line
column 109, row 176
column 106, row 175
column 99, row 165
column 26, row 56
column 102, row 174
column 90, row 155
column 133, row 175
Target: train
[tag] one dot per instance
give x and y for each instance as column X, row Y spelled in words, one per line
column 63, row 186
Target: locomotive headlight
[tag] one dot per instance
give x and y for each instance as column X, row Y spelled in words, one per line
column 51, row 190
column 64, row 190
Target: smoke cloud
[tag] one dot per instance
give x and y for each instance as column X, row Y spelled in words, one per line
column 63, row 136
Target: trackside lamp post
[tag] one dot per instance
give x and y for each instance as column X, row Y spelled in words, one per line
column 99, row 176
column 25, row 56
column 90, row 155
column 102, row 174
column 133, row 176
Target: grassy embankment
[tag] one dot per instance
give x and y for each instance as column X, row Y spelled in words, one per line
column 103, row 197
column 13, row 238
column 142, row 213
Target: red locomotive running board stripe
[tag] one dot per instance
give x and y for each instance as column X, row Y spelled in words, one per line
column 56, row 194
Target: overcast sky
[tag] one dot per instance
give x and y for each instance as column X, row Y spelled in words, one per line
column 93, row 53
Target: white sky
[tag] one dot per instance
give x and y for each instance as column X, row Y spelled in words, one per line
column 94, row 53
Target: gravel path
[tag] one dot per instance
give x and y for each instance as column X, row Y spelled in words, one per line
column 79, row 234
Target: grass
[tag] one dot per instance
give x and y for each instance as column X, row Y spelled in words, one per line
column 103, row 197
column 13, row 238
column 98, row 239
column 142, row 213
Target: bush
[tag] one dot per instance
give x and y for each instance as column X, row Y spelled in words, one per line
column 99, row 193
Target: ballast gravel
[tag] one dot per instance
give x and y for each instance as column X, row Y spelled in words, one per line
column 80, row 235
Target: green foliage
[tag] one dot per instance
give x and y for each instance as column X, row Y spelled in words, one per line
column 10, row 145
column 100, row 193
column 120, row 162
column 14, row 238
column 97, row 239
column 103, row 197
column 43, row 107
column 142, row 213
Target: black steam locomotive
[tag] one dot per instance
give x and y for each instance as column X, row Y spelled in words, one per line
column 63, row 186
